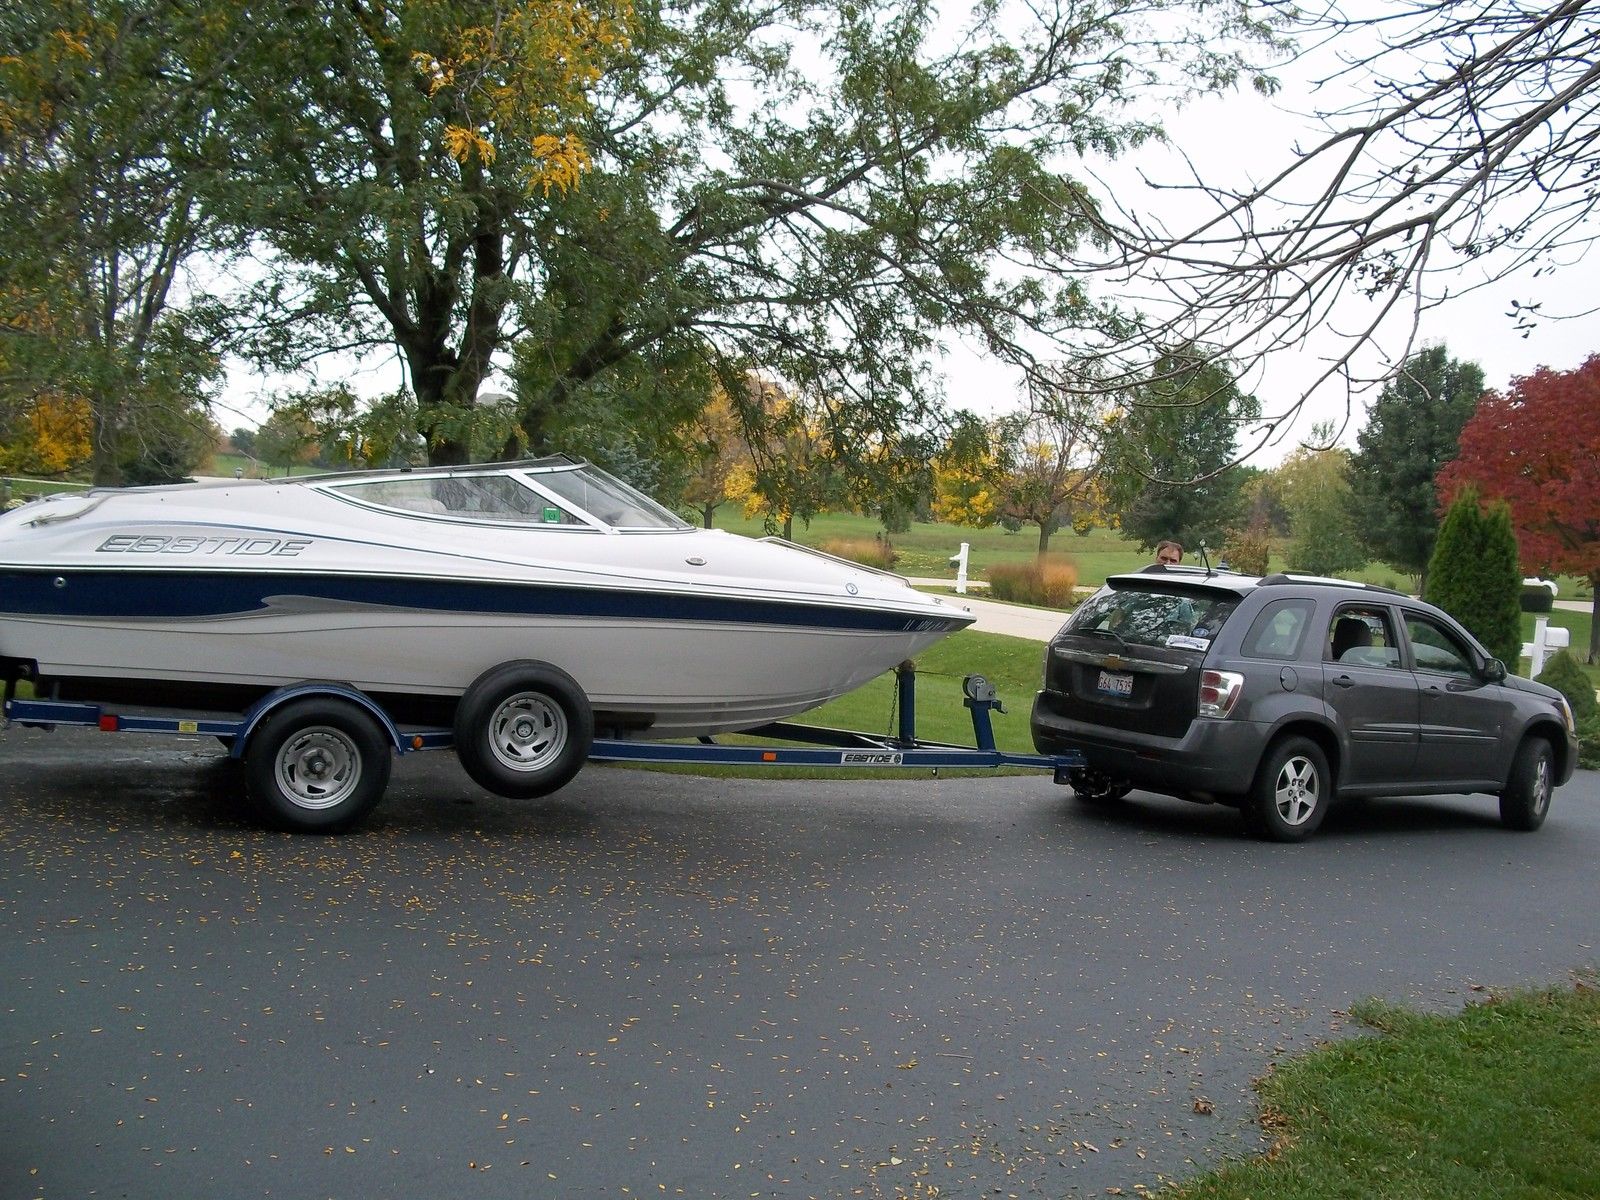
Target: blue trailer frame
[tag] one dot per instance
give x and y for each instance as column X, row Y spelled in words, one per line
column 817, row 746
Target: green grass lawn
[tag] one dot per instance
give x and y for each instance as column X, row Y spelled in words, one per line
column 925, row 549
column 1496, row 1102
column 1014, row 665
column 253, row 468
column 18, row 490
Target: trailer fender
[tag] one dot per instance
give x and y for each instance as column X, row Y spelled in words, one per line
column 272, row 701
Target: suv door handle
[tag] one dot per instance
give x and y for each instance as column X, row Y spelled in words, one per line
column 1344, row 681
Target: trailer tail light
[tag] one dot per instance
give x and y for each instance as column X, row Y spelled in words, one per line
column 1219, row 692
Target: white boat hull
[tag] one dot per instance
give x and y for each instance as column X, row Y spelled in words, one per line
column 686, row 678
column 240, row 588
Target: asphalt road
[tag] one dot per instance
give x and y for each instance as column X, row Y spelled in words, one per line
column 660, row 985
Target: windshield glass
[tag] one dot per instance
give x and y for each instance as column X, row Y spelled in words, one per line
column 513, row 497
column 498, row 497
column 607, row 498
column 1185, row 620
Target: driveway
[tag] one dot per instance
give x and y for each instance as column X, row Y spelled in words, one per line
column 1013, row 620
column 661, row 985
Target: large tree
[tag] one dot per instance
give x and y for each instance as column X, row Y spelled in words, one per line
column 1412, row 430
column 716, row 448
column 790, row 469
column 1053, row 455
column 650, row 199
column 1537, row 447
column 393, row 161
column 1316, row 491
column 1172, row 466
column 105, row 122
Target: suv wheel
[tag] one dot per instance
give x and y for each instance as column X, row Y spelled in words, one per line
column 1292, row 791
column 1526, row 800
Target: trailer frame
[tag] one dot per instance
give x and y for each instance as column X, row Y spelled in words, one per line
column 791, row 744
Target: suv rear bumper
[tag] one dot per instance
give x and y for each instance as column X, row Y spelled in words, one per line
column 1212, row 760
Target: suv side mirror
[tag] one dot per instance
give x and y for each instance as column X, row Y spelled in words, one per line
column 1494, row 670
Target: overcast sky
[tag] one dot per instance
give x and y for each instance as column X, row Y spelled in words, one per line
column 1241, row 139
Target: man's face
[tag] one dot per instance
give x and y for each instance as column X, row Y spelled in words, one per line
column 1168, row 557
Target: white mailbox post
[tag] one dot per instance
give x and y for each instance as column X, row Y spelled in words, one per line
column 1546, row 641
column 958, row 560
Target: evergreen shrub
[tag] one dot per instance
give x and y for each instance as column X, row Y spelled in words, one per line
column 1562, row 672
column 1048, row 583
column 1589, row 743
column 1474, row 574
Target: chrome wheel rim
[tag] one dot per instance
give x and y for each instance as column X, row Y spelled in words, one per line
column 527, row 732
column 1541, row 785
column 318, row 768
column 1298, row 791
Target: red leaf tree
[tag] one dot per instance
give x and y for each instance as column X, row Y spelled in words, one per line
column 1538, row 448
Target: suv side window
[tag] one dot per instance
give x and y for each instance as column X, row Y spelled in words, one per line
column 1436, row 649
column 1279, row 630
column 1363, row 636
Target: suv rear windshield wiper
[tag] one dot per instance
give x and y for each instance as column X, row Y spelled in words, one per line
column 1110, row 633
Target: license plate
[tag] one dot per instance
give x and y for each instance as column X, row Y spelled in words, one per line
column 1114, row 683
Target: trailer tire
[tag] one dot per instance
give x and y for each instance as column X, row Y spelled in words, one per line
column 523, row 729
column 317, row 765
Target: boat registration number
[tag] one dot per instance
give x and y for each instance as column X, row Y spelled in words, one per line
column 1114, row 683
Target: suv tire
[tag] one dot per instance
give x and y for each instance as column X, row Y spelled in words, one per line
column 1292, row 791
column 1526, row 800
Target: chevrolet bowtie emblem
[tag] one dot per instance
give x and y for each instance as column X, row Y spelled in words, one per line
column 1112, row 661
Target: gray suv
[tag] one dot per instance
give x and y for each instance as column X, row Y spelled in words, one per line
column 1276, row 694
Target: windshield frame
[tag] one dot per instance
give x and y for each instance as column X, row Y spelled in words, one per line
column 661, row 518
column 551, row 508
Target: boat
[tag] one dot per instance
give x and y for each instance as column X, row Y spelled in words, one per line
column 414, row 586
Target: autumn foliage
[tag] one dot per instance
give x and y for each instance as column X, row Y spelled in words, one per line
column 46, row 435
column 1537, row 447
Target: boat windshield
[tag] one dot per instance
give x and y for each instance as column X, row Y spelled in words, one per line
column 607, row 498
column 569, row 497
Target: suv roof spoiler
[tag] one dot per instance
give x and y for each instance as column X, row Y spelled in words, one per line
column 1283, row 577
column 1206, row 572
column 1278, row 579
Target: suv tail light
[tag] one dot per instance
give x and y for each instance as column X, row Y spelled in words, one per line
column 1219, row 692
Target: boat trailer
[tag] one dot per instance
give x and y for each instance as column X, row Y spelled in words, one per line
column 308, row 791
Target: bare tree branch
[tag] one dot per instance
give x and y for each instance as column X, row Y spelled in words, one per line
column 1468, row 155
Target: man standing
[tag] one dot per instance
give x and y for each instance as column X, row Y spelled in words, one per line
column 1169, row 554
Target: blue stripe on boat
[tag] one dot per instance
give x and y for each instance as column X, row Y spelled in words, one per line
column 197, row 595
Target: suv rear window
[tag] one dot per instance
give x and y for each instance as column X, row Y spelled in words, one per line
column 1183, row 619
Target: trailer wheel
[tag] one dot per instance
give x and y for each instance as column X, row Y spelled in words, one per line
column 523, row 729
column 317, row 765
